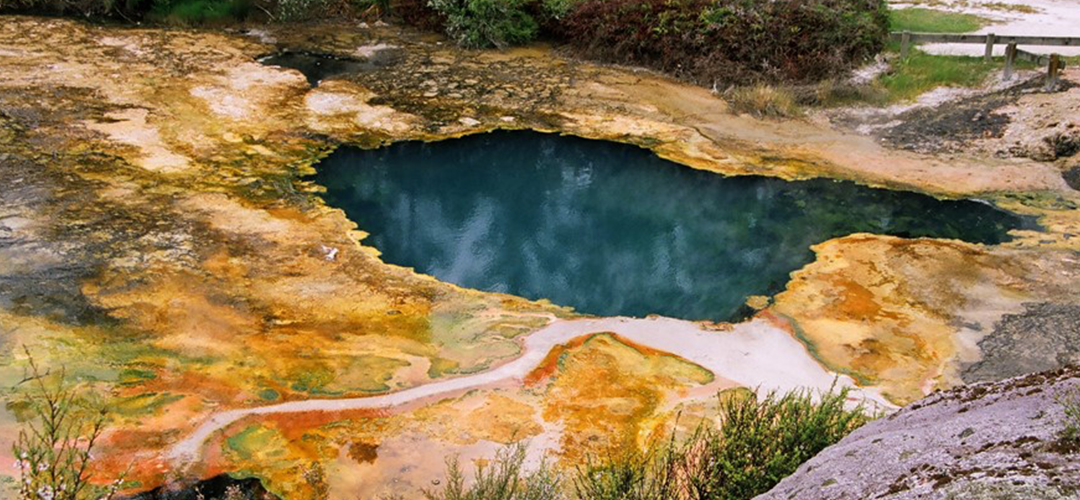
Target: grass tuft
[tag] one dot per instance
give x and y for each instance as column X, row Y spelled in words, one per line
column 922, row 72
column 920, row 20
column 1070, row 405
column 763, row 101
column 502, row 479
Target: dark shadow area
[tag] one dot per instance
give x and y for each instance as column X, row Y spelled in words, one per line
column 215, row 488
column 318, row 67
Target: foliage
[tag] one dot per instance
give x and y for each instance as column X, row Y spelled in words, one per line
column 193, row 12
column 712, row 41
column 920, row 20
column 298, row 10
column 487, row 23
column 760, row 442
column 53, row 452
column 418, row 13
column 762, row 100
column 631, row 475
column 1070, row 406
column 503, row 479
column 85, row 8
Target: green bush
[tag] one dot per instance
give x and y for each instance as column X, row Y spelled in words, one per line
column 502, row 479
column 487, row 23
column 192, row 12
column 631, row 475
column 1070, row 406
column 731, row 41
column 298, row 10
column 758, row 443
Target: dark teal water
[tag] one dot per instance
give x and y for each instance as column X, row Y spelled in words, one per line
column 611, row 229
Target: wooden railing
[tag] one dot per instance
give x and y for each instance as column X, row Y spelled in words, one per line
column 1053, row 62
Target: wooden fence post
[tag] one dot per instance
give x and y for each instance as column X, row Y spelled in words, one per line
column 1052, row 71
column 905, row 41
column 1010, row 59
column 989, row 47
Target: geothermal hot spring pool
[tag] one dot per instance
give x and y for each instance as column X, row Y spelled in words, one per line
column 612, row 229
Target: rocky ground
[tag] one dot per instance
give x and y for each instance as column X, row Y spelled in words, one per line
column 983, row 441
column 158, row 237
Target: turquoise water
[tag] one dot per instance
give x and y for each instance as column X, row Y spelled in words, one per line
column 611, row 229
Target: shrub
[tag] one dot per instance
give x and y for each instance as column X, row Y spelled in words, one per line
column 760, row 442
column 53, row 452
column 418, row 13
column 298, row 10
column 487, row 23
column 1070, row 406
column 503, row 479
column 631, row 475
column 192, row 12
column 742, row 41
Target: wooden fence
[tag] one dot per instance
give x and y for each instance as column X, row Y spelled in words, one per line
column 1053, row 62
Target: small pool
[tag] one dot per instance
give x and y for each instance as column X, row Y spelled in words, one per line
column 611, row 229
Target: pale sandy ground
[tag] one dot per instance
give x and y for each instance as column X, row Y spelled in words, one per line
column 753, row 354
column 1054, row 18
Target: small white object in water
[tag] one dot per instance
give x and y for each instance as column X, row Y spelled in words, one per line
column 331, row 252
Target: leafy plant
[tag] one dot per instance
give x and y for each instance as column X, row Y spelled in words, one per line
column 730, row 41
column 758, row 443
column 193, row 12
column 298, row 10
column 502, row 479
column 54, row 451
column 1070, row 406
column 487, row 23
column 631, row 475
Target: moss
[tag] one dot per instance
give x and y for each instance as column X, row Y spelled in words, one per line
column 256, row 442
column 143, row 404
column 135, row 376
column 442, row 366
column 269, row 394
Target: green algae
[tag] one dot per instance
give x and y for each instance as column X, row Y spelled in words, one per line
column 143, row 404
column 257, row 443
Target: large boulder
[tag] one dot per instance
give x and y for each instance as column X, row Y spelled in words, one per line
column 995, row 440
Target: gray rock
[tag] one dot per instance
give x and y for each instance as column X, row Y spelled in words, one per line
column 983, row 441
column 1046, row 336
